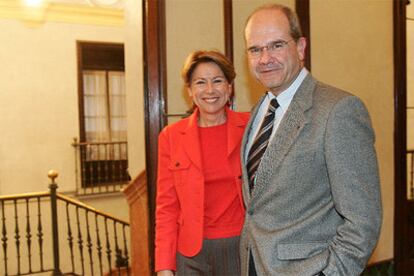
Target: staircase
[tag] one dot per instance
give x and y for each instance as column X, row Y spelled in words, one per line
column 50, row 233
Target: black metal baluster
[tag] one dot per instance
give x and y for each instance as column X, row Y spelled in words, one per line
column 118, row 252
column 80, row 241
column 40, row 233
column 89, row 241
column 17, row 235
column 109, row 164
column 4, row 237
column 70, row 237
column 121, row 164
column 126, row 176
column 28, row 235
column 113, row 165
column 118, row 176
column 121, row 172
column 55, row 223
column 92, row 160
column 126, row 258
column 99, row 164
column 78, row 159
column 83, row 151
column 108, row 247
column 106, row 165
column 98, row 244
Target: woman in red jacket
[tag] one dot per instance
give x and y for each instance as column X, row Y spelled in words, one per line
column 199, row 209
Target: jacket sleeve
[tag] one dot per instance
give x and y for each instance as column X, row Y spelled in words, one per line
column 167, row 208
column 353, row 172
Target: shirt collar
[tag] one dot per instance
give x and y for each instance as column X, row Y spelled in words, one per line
column 286, row 96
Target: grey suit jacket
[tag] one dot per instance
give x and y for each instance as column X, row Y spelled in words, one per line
column 316, row 205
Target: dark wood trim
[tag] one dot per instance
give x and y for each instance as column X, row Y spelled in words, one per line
column 82, row 135
column 303, row 12
column 102, row 56
column 401, row 222
column 154, row 95
column 228, row 37
column 228, row 28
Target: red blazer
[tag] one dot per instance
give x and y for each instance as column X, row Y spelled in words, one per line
column 180, row 186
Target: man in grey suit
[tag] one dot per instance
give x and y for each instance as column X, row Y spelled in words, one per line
column 313, row 203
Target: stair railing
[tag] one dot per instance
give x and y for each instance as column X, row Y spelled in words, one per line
column 33, row 238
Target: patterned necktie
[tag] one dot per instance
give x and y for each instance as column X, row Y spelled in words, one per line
column 261, row 141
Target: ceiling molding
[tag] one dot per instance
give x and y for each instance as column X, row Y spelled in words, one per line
column 56, row 12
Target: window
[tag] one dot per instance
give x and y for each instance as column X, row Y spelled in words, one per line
column 102, row 148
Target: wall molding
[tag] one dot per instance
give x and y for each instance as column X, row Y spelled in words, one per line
column 54, row 12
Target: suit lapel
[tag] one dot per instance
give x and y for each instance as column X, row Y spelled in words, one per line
column 191, row 140
column 246, row 192
column 290, row 127
column 247, row 132
column 235, row 128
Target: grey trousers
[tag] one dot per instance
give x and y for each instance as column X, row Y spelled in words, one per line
column 218, row 257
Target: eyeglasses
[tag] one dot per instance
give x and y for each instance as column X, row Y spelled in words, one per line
column 273, row 47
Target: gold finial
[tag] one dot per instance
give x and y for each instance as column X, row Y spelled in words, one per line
column 52, row 174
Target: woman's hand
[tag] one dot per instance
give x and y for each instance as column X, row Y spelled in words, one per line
column 165, row 273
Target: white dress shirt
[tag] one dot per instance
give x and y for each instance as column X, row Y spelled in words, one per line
column 284, row 99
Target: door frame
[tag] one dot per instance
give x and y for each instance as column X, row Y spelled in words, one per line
column 155, row 100
column 403, row 209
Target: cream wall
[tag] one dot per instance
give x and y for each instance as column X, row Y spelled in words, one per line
column 193, row 25
column 247, row 89
column 39, row 93
column 352, row 48
column 190, row 25
column 39, row 101
column 134, row 79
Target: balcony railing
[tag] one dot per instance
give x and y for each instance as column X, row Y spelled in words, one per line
column 48, row 231
column 101, row 167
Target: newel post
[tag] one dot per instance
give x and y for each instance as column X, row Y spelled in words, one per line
column 55, row 233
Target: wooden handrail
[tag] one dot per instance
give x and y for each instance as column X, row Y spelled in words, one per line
column 24, row 195
column 89, row 208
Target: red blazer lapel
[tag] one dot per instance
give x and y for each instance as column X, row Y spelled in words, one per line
column 236, row 123
column 191, row 140
column 235, row 129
